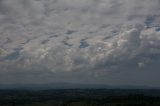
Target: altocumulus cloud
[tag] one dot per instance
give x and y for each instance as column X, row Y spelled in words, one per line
column 54, row 40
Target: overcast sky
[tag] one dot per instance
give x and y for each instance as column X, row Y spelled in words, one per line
column 114, row 42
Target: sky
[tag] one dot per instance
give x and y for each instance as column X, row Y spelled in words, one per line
column 115, row 42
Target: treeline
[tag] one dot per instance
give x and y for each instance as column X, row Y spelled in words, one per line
column 85, row 97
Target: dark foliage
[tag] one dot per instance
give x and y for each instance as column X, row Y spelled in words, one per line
column 80, row 97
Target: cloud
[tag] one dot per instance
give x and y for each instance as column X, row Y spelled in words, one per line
column 92, row 38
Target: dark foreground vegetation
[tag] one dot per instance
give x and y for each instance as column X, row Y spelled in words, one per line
column 80, row 97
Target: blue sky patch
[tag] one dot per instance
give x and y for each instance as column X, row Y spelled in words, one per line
column 13, row 56
column 83, row 44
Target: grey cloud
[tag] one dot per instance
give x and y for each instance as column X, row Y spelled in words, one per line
column 93, row 38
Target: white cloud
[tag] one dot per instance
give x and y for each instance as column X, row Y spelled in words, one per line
column 47, row 34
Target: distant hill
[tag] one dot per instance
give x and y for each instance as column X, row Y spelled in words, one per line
column 62, row 85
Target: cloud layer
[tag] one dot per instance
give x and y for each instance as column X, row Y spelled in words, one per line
column 68, row 39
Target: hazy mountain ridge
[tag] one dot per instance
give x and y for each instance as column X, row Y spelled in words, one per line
column 63, row 85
